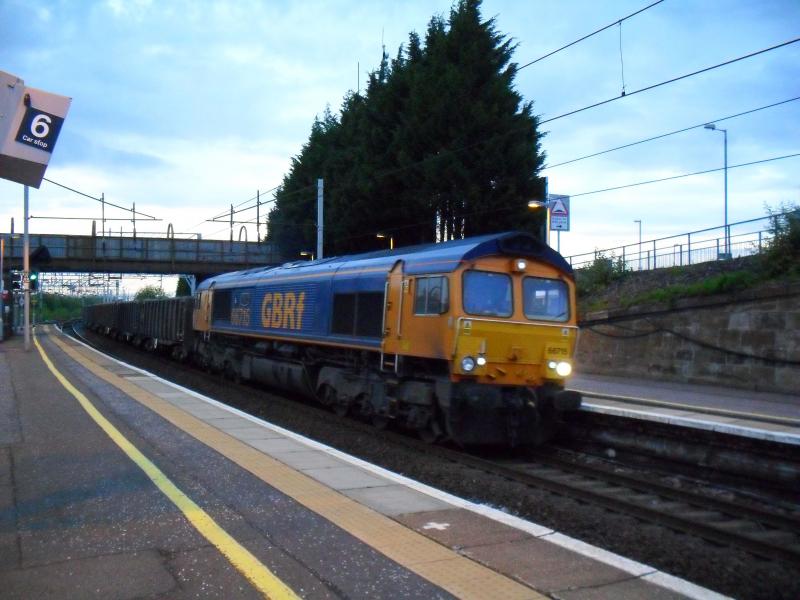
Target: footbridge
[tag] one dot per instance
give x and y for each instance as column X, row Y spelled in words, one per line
column 77, row 253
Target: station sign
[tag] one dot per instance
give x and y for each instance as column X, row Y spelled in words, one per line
column 559, row 212
column 30, row 121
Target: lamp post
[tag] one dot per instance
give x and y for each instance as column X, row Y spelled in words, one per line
column 536, row 205
column 639, row 221
column 383, row 236
column 713, row 127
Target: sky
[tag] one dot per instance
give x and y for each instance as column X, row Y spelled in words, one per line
column 187, row 107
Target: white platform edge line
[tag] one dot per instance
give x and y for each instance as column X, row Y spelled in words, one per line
column 637, row 569
column 741, row 430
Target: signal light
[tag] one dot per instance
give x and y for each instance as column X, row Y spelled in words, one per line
column 34, row 279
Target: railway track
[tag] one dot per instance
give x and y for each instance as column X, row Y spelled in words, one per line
column 768, row 534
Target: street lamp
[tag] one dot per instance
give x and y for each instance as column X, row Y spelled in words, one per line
column 383, row 236
column 639, row 221
column 713, row 127
column 536, row 205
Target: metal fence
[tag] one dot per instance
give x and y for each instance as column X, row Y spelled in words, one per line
column 744, row 238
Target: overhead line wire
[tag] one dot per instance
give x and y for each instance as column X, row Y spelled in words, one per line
column 630, row 185
column 673, row 80
column 663, row 135
column 586, row 37
column 444, row 152
column 572, row 112
column 136, row 212
column 496, row 210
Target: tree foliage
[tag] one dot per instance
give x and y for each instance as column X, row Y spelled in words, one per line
column 150, row 292
column 182, row 288
column 439, row 146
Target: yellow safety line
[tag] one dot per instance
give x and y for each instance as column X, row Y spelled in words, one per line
column 247, row 564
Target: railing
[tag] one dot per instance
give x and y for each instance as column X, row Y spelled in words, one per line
column 744, row 238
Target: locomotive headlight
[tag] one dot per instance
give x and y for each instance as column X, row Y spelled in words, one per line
column 552, row 364
column 563, row 369
column 519, row 265
column 481, row 361
column 467, row 364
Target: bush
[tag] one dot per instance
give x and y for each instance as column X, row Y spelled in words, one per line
column 782, row 255
column 603, row 271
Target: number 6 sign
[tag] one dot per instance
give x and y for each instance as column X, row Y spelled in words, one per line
column 39, row 129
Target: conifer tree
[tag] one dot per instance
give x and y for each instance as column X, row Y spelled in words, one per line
column 439, row 146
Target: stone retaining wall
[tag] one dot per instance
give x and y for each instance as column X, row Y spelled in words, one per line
column 749, row 340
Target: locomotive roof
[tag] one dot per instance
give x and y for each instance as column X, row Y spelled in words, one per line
column 443, row 257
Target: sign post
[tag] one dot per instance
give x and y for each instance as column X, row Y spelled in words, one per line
column 30, row 121
column 559, row 215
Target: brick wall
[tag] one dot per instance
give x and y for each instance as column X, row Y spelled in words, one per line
column 749, row 340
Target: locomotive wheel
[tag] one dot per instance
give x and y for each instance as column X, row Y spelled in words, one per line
column 429, row 434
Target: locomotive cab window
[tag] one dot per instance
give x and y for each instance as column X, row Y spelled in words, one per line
column 432, row 296
column 545, row 299
column 487, row 294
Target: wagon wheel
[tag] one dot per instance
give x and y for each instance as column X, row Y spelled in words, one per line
column 341, row 408
column 379, row 422
column 327, row 395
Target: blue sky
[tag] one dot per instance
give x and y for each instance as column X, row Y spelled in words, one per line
column 187, row 107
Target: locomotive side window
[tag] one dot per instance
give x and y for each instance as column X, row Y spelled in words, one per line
column 344, row 314
column 545, row 299
column 358, row 314
column 487, row 294
column 432, row 296
column 222, row 305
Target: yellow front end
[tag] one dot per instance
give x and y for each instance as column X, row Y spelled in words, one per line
column 512, row 353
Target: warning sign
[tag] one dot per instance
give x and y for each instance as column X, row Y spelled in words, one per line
column 559, row 212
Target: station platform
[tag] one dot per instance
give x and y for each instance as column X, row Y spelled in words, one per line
column 115, row 483
column 758, row 415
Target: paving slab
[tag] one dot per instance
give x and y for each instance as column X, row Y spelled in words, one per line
column 270, row 445
column 545, row 566
column 459, row 528
column 303, row 459
column 253, row 433
column 632, row 589
column 395, row 499
column 346, row 478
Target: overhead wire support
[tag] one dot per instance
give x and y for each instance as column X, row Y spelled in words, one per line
column 586, row 37
column 663, row 135
column 673, row 80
